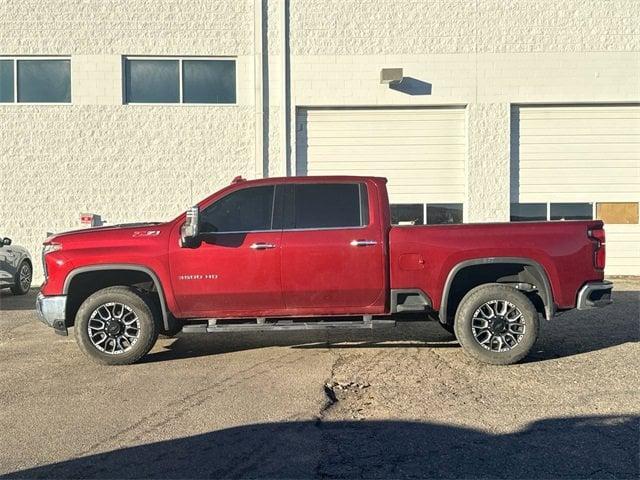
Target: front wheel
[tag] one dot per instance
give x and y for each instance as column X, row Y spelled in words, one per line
column 116, row 326
column 22, row 281
column 496, row 324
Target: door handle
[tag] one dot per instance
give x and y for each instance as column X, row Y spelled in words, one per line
column 363, row 243
column 261, row 246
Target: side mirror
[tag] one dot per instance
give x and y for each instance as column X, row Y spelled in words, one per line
column 6, row 241
column 191, row 228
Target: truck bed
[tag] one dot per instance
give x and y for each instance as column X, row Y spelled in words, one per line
column 424, row 256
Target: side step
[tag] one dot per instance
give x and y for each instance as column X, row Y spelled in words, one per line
column 213, row 326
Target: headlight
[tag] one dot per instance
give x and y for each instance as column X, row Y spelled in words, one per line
column 51, row 247
column 48, row 248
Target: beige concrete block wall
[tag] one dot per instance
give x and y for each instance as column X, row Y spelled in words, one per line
column 125, row 162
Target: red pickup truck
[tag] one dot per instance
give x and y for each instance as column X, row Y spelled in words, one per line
column 316, row 252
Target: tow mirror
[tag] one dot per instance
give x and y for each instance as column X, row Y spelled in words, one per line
column 191, row 228
column 6, row 241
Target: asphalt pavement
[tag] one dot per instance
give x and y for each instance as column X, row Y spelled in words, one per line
column 402, row 403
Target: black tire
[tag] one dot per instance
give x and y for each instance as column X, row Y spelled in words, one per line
column 147, row 320
column 18, row 287
column 489, row 296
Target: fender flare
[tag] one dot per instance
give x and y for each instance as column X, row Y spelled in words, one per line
column 123, row 266
column 545, row 291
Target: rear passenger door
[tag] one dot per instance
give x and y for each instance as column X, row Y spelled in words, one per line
column 332, row 253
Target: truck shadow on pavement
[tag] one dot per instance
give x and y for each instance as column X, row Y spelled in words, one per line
column 571, row 333
column 579, row 447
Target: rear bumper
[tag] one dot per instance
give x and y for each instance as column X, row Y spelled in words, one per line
column 51, row 311
column 594, row 295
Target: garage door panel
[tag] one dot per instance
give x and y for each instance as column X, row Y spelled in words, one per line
column 386, row 141
column 435, row 174
column 615, row 138
column 580, row 113
column 589, row 189
column 433, row 114
column 396, row 151
column 573, row 165
column 413, row 164
column 575, row 148
column 427, row 127
column 583, row 127
column 583, row 154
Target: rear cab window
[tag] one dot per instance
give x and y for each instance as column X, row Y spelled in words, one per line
column 326, row 206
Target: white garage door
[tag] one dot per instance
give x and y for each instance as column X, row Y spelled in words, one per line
column 573, row 156
column 421, row 151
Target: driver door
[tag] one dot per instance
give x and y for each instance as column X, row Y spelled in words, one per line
column 235, row 269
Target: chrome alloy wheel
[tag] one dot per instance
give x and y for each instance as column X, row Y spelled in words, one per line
column 25, row 277
column 113, row 328
column 498, row 325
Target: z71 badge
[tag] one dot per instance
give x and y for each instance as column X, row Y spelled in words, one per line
column 146, row 233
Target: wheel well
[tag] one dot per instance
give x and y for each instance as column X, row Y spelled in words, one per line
column 525, row 277
column 85, row 284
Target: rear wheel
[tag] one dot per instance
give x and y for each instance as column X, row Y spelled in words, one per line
column 22, row 280
column 116, row 326
column 496, row 324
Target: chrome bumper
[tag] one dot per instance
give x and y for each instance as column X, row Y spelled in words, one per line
column 594, row 295
column 51, row 311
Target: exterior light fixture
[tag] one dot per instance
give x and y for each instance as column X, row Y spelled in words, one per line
column 391, row 76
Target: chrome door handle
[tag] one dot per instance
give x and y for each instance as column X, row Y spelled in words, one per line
column 261, row 246
column 363, row 243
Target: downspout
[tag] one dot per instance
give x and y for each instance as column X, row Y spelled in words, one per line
column 286, row 113
column 261, row 137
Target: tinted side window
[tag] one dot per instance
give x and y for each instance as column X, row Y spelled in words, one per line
column 242, row 211
column 329, row 205
column 43, row 81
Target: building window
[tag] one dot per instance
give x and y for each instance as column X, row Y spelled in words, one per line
column 444, row 213
column 571, row 211
column 528, row 212
column 426, row 214
column 35, row 80
column 407, row 214
column 533, row 212
column 180, row 80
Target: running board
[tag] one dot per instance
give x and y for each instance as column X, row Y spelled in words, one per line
column 214, row 326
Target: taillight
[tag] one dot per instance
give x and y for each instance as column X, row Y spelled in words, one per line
column 599, row 253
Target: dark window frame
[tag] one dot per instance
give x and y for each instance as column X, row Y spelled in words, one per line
column 180, row 60
column 15, row 60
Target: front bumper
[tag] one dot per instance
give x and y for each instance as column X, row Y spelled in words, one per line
column 51, row 311
column 594, row 295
